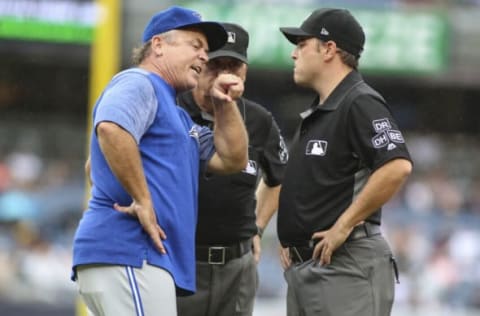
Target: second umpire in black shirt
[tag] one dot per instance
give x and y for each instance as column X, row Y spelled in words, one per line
column 348, row 158
column 234, row 209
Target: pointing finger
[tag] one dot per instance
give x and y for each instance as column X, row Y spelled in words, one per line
column 226, row 86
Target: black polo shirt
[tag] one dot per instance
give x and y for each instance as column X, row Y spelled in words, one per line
column 336, row 148
column 226, row 204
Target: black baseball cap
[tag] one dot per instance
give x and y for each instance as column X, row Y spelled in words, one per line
column 175, row 18
column 328, row 24
column 236, row 45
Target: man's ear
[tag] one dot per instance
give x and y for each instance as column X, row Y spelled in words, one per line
column 157, row 44
column 330, row 49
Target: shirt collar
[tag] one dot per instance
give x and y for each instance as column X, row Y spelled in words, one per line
column 338, row 94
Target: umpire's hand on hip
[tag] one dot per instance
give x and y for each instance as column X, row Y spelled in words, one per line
column 328, row 241
column 285, row 258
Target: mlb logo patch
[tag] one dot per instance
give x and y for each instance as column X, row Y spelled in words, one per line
column 251, row 168
column 316, row 148
column 232, row 38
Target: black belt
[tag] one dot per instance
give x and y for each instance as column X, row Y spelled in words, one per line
column 221, row 254
column 299, row 254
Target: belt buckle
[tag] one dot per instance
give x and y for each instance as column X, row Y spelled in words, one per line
column 216, row 255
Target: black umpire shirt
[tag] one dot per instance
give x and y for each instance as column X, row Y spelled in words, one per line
column 226, row 205
column 335, row 149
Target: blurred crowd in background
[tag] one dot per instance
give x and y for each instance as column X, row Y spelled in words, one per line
column 433, row 224
column 41, row 200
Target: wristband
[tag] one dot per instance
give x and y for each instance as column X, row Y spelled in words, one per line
column 259, row 231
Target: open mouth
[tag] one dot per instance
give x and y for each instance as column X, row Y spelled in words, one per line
column 197, row 69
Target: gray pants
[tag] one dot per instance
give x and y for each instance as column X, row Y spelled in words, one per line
column 222, row 290
column 359, row 281
column 110, row 290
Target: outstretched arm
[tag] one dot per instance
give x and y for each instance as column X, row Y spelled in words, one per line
column 230, row 135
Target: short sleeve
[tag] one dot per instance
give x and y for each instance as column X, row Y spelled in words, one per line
column 130, row 102
column 373, row 133
column 206, row 144
column 275, row 157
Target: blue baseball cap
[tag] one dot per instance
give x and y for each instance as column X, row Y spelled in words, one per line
column 176, row 17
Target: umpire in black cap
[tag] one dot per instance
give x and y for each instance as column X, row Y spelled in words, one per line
column 233, row 210
column 347, row 159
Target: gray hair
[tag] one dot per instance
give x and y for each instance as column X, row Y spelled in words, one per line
column 141, row 52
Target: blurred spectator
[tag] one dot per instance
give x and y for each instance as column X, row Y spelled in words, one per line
column 25, row 168
column 433, row 224
column 4, row 176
